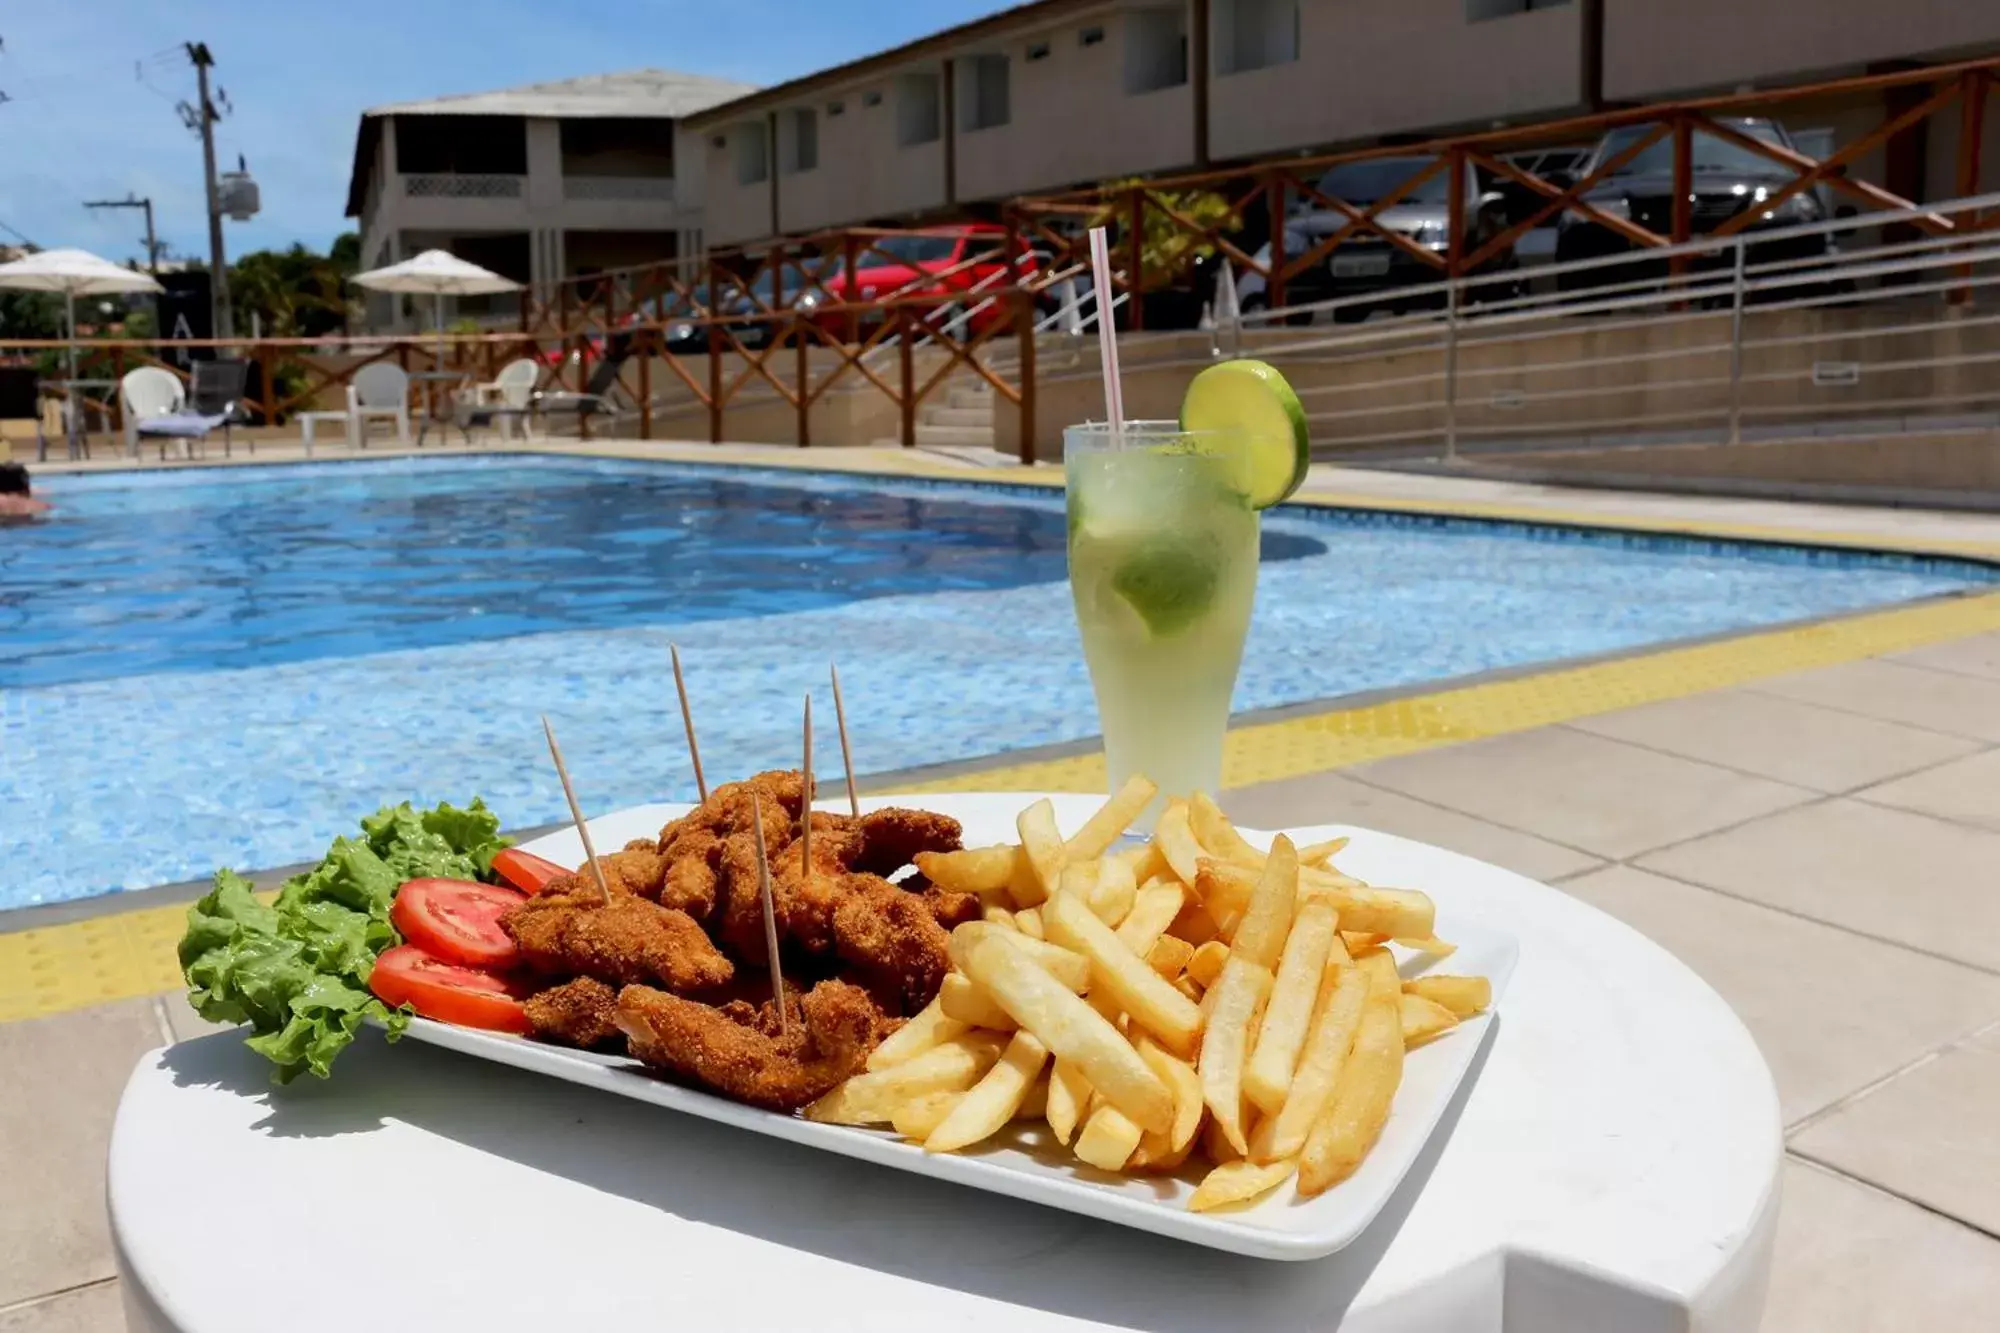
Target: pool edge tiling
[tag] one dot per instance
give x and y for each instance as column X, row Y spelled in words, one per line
column 122, row 954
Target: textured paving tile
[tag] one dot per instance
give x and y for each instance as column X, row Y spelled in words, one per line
column 1610, row 799
column 1853, row 1260
column 59, row 1083
column 1807, row 746
column 1974, row 655
column 1831, row 1011
column 1966, row 790
column 1932, row 1135
column 1331, row 798
column 1944, row 701
column 1903, row 877
column 94, row 1309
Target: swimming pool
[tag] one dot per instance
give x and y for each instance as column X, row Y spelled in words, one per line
column 227, row 666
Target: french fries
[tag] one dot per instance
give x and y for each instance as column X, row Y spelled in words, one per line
column 1289, row 1012
column 1068, row 1098
column 1192, row 1005
column 971, row 870
column 1112, row 896
column 1464, row 996
column 1154, row 908
column 926, row 1030
column 916, row 1118
column 1112, row 819
column 1217, row 835
column 1124, row 976
column 872, row 1098
column 1394, row 913
column 1205, row 964
column 1176, row 842
column 1423, row 1020
column 1072, row 969
column 1349, row 1127
column 962, row 1001
column 1170, row 957
column 1042, row 848
column 1239, row 1182
column 1072, row 1029
column 1109, row 1138
column 991, row 1102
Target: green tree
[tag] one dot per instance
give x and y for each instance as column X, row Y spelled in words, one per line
column 1167, row 248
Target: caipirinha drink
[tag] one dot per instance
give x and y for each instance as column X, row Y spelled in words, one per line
column 1163, row 540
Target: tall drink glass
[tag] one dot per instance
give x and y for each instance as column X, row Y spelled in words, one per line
column 1163, row 567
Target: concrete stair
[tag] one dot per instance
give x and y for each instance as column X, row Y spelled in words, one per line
column 963, row 417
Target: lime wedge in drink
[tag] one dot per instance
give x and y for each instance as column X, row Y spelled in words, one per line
column 1169, row 581
column 1250, row 403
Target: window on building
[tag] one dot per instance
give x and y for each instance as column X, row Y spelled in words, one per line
column 801, row 135
column 1255, row 34
column 1477, row 11
column 836, row 109
column 753, row 153
column 982, row 92
column 873, row 97
column 1090, row 36
column 1038, row 51
column 1156, row 48
column 919, row 109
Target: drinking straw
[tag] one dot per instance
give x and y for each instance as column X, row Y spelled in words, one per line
column 1107, row 338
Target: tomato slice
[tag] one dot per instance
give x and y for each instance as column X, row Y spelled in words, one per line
column 526, row 871
column 457, row 920
column 445, row 991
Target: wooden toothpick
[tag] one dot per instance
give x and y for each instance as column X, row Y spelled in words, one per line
column 770, row 918
column 576, row 811
column 846, row 752
column 806, row 801
column 687, row 720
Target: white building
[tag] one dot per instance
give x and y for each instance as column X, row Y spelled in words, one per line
column 539, row 183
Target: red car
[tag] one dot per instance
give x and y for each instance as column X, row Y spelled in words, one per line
column 922, row 264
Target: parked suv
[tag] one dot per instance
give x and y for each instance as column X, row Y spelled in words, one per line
column 1367, row 262
column 1728, row 180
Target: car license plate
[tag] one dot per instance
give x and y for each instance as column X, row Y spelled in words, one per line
column 1360, row 266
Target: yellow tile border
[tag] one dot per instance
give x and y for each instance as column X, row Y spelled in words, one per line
column 120, row 954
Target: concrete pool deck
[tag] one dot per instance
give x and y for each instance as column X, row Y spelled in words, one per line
column 1808, row 816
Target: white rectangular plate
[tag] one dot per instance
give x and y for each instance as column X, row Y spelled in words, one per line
column 1026, row 1163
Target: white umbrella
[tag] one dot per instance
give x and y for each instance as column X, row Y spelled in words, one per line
column 74, row 273
column 439, row 273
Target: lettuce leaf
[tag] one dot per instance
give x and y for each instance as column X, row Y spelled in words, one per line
column 296, row 971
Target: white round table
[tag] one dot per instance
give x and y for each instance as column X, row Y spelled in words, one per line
column 1612, row 1166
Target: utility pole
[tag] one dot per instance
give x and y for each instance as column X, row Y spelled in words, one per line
column 202, row 118
column 133, row 201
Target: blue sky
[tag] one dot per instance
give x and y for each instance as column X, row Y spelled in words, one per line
column 80, row 124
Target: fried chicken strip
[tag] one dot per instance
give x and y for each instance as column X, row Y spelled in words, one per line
column 576, row 1013
column 705, row 1045
column 891, row 839
column 568, row 930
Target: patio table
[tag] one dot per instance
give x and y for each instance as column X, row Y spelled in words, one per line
column 438, row 391
column 1612, row 1163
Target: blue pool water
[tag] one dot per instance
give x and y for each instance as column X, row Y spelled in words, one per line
column 227, row 667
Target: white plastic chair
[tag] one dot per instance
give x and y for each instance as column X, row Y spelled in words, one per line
column 377, row 390
column 505, row 400
column 149, row 392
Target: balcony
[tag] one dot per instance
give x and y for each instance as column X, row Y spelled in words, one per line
column 621, row 189
column 462, row 185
